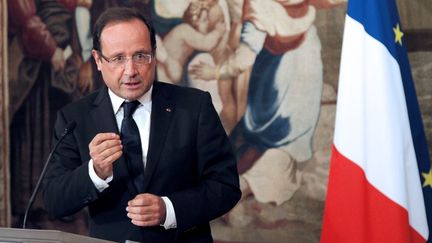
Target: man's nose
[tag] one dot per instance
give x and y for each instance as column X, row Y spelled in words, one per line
column 130, row 68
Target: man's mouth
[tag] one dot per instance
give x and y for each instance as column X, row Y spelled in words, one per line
column 131, row 83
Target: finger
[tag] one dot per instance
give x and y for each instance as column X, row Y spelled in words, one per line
column 101, row 137
column 146, row 210
column 112, row 158
column 145, row 204
column 148, row 221
column 108, row 145
column 106, row 159
column 104, row 168
column 144, row 216
column 143, row 199
column 141, row 210
column 105, row 149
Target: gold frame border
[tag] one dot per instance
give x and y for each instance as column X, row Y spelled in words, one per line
column 5, row 207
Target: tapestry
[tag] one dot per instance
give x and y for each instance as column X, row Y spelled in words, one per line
column 271, row 67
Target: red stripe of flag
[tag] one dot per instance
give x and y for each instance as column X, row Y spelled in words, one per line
column 356, row 211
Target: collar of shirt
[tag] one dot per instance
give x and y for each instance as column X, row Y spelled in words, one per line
column 117, row 101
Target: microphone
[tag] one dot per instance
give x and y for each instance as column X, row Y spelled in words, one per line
column 69, row 128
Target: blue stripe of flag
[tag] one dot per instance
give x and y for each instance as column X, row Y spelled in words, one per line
column 379, row 19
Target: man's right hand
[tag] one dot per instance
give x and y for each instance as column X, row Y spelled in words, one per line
column 105, row 148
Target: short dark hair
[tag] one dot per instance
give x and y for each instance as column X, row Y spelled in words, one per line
column 120, row 14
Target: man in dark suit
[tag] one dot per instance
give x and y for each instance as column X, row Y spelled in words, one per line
column 186, row 175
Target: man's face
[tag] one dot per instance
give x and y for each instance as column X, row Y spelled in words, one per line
column 126, row 38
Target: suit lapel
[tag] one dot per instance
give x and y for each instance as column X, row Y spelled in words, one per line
column 102, row 108
column 104, row 121
column 161, row 114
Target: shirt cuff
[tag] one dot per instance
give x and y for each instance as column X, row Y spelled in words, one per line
column 97, row 181
column 170, row 219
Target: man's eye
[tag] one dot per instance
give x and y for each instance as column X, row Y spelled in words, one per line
column 140, row 56
column 118, row 59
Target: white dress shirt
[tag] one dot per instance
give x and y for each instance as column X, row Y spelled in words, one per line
column 142, row 119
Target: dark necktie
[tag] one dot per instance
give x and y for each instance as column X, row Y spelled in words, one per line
column 132, row 144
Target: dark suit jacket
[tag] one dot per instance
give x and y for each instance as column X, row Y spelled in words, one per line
column 189, row 160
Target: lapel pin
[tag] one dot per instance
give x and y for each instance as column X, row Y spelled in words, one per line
column 168, row 109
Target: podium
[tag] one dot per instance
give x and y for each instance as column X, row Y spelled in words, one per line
column 12, row 235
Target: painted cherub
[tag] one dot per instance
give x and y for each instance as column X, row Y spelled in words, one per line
column 200, row 31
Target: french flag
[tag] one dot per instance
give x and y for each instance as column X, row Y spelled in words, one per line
column 380, row 178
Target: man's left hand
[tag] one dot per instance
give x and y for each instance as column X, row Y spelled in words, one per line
column 146, row 210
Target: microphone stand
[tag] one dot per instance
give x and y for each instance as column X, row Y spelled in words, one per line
column 69, row 128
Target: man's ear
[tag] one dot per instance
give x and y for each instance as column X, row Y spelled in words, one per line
column 97, row 59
